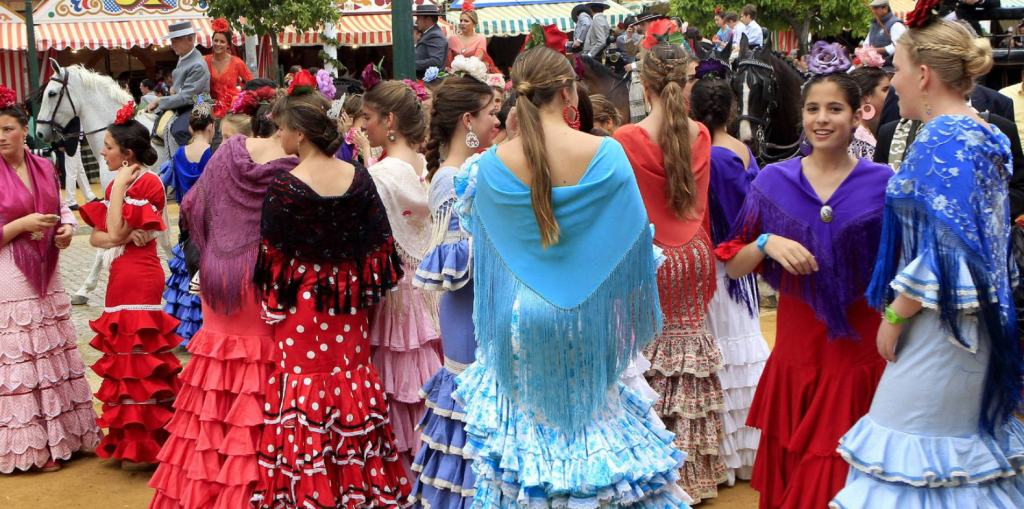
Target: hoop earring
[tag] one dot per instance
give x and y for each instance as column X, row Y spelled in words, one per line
column 575, row 122
column 927, row 107
column 867, row 112
column 391, row 135
column 471, row 139
column 124, row 163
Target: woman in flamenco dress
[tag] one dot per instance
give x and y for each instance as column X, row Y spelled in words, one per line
column 209, row 461
column 467, row 43
column 673, row 178
column 403, row 329
column 811, row 226
column 46, row 412
column 135, row 335
column 188, row 163
column 326, row 257
column 560, row 310
column 734, row 312
column 464, row 120
column 227, row 72
column 942, row 430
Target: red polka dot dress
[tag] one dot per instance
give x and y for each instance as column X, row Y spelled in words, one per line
column 324, row 261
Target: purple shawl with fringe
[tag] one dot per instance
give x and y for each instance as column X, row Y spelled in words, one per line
column 36, row 259
column 222, row 212
column 782, row 202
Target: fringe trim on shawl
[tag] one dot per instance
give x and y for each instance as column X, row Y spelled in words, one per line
column 1004, row 381
column 566, row 359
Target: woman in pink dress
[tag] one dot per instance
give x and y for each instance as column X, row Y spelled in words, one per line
column 467, row 43
column 46, row 410
column 227, row 72
column 134, row 333
column 210, row 459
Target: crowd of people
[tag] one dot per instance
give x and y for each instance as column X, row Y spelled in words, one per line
column 466, row 292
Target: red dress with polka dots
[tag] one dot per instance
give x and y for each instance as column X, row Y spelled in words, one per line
column 327, row 440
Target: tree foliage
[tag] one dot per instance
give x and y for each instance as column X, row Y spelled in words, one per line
column 818, row 18
column 269, row 17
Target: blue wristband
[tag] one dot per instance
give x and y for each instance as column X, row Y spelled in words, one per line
column 762, row 240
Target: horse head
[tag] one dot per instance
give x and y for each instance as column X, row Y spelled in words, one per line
column 756, row 87
column 57, row 105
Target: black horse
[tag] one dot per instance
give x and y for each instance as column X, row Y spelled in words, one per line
column 601, row 79
column 768, row 90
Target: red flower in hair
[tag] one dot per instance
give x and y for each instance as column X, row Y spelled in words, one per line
column 221, row 25
column 8, row 97
column 467, row 6
column 126, row 113
column 265, row 94
column 923, row 11
column 663, row 30
column 245, row 104
column 302, row 83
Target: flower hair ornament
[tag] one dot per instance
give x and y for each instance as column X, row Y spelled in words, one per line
column 472, row 67
column 126, row 113
column 548, row 35
column 496, row 81
column 712, row 68
column 663, row 30
column 433, row 73
column 325, row 83
column 8, row 98
column 303, row 83
column 826, row 58
column 924, row 12
column 467, row 6
column 220, row 25
column 865, row 57
column 203, row 106
column 372, row 75
column 334, row 113
column 417, row 87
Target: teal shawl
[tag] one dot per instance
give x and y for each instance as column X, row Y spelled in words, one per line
column 587, row 304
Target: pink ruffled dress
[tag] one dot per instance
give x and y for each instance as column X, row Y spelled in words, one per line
column 404, row 328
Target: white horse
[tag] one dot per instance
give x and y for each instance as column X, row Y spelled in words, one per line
column 94, row 99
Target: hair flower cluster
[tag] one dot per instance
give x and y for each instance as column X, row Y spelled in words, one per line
column 868, row 57
column 828, row 58
column 126, row 113
column 325, row 82
column 472, row 67
column 417, row 87
column 303, row 83
column 8, row 97
column 220, row 25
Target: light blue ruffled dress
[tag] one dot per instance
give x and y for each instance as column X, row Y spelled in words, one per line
column 620, row 456
column 921, row 446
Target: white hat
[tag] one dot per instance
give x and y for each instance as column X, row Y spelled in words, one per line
column 180, row 30
column 880, row 3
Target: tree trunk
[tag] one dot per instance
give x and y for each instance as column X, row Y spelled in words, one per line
column 805, row 32
column 275, row 61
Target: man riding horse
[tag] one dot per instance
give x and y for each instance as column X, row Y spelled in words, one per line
column 191, row 77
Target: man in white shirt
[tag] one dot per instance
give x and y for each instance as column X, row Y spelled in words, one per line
column 882, row 37
column 755, row 36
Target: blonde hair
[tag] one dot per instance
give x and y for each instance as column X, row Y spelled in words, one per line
column 664, row 74
column 538, row 75
column 472, row 15
column 398, row 98
column 604, row 110
column 241, row 123
column 950, row 51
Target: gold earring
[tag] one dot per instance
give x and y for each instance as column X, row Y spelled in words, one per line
column 927, row 107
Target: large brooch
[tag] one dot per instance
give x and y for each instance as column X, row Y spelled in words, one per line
column 36, row 236
column 826, row 214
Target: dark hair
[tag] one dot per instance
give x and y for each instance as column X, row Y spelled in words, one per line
column 586, row 110
column 294, row 69
column 604, row 110
column 868, row 79
column 433, row 84
column 693, row 34
column 847, row 86
column 458, row 96
column 263, row 126
column 227, row 36
column 731, row 16
column 749, row 10
column 134, row 136
column 148, row 83
column 160, row 89
column 398, row 98
column 18, row 112
column 720, row 14
column 307, row 114
column 198, row 120
column 664, row 73
column 597, row 131
column 508, row 101
column 258, row 83
column 712, row 103
column 354, row 106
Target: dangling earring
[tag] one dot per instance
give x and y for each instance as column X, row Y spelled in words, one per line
column 805, row 145
column 124, row 163
column 298, row 148
column 575, row 122
column 391, row 135
column 867, row 112
column 471, row 140
column 927, row 107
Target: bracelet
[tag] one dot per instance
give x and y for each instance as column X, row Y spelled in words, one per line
column 761, row 241
column 893, row 317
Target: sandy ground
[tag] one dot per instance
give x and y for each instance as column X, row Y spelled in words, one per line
column 89, row 482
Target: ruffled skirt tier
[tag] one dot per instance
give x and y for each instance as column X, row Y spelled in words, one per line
column 181, row 304
column 744, row 353
column 443, row 463
column 140, row 380
column 209, row 461
column 45, row 401
column 621, row 458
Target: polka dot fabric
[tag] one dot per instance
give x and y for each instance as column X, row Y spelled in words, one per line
column 327, row 440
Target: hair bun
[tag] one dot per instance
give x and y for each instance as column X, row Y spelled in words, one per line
column 148, row 157
column 978, row 59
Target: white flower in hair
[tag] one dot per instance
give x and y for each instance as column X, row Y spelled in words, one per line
column 472, row 67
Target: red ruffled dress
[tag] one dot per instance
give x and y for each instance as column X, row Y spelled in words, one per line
column 134, row 333
column 323, row 261
column 224, row 85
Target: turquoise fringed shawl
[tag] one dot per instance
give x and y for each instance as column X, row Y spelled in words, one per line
column 587, row 305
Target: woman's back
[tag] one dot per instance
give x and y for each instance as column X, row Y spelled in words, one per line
column 569, row 154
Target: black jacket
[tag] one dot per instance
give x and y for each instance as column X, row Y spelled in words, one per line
column 982, row 99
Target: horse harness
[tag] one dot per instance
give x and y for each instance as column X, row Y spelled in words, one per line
column 763, row 125
column 58, row 130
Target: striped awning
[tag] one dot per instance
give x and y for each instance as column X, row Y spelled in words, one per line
column 117, row 34
column 13, row 37
column 353, row 30
column 512, row 20
column 14, row 71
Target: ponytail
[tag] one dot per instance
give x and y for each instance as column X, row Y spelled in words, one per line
column 664, row 73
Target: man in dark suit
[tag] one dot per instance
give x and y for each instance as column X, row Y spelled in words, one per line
column 983, row 99
column 432, row 48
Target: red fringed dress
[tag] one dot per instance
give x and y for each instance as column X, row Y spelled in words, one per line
column 821, row 376
column 323, row 262
column 685, row 358
column 134, row 333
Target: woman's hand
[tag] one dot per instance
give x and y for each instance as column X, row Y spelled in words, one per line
column 127, row 174
column 888, row 335
column 140, row 238
column 36, row 222
column 63, row 237
column 793, row 257
column 362, row 142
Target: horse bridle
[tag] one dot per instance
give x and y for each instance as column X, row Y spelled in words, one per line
column 763, row 125
column 58, row 130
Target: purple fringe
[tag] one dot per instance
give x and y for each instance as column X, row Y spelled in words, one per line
column 843, row 274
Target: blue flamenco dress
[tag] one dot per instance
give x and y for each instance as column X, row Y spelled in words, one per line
column 446, row 479
column 180, row 302
column 547, row 421
column 921, row 445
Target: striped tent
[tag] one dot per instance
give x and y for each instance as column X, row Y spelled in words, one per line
column 504, row 18
column 354, row 30
column 13, row 57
